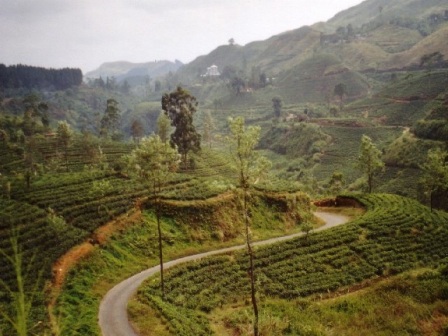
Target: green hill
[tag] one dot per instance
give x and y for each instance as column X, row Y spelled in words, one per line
column 314, row 80
column 370, row 10
column 394, row 235
column 375, row 50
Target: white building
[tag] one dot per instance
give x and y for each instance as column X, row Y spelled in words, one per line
column 212, row 71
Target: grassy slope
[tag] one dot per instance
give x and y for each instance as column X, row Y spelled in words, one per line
column 187, row 230
column 413, row 303
column 62, row 209
column 396, row 234
column 369, row 10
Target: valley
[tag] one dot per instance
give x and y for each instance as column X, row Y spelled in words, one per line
column 104, row 175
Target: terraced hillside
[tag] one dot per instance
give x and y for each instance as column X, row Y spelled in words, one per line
column 394, row 235
column 62, row 209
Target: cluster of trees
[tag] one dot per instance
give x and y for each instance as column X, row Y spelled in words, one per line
column 434, row 180
column 435, row 175
column 24, row 76
column 155, row 160
column 431, row 129
column 238, row 80
column 35, row 119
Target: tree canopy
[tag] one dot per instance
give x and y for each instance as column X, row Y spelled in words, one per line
column 152, row 163
column 180, row 107
column 24, row 76
column 369, row 160
column 111, row 119
column 435, row 173
column 251, row 167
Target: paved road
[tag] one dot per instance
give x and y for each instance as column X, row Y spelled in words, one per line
column 113, row 318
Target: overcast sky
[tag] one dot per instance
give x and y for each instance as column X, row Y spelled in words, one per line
column 86, row 33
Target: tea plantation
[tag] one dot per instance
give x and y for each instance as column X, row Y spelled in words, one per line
column 396, row 234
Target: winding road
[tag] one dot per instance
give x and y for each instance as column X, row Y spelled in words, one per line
column 113, row 318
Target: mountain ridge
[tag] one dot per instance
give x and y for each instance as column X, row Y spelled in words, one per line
column 125, row 69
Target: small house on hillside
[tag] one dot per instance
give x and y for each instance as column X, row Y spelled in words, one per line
column 212, row 71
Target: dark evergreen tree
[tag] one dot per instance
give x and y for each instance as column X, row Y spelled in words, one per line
column 24, row 76
column 180, row 107
column 277, row 106
column 137, row 131
column 110, row 122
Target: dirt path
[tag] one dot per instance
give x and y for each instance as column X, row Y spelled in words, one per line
column 113, row 318
column 66, row 262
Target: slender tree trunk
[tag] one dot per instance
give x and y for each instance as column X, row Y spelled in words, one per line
column 251, row 264
column 66, row 159
column 159, row 230
column 157, row 189
column 430, row 200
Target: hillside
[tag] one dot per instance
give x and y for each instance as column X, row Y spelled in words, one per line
column 211, row 296
column 378, row 69
column 370, row 10
column 375, row 35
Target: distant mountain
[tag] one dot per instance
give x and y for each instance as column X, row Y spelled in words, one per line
column 374, row 35
column 127, row 70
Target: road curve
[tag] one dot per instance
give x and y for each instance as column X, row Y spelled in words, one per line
column 113, row 318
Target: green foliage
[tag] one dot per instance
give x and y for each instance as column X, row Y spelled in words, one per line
column 435, row 173
column 24, row 76
column 250, row 165
column 180, row 106
column 137, row 130
column 110, row 122
column 395, row 234
column 369, row 160
column 163, row 127
column 399, row 305
column 20, row 291
column 297, row 140
column 64, row 137
column 208, row 129
column 340, row 90
column 336, row 183
column 408, row 151
column 152, row 162
column 277, row 106
column 432, row 129
column 315, row 79
column 342, row 152
column 187, row 227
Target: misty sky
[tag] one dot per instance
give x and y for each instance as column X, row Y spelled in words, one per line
column 86, row 33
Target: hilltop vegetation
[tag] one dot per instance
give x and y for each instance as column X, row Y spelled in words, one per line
column 22, row 76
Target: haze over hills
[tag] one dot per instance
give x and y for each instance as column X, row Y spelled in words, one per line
column 122, row 70
column 374, row 35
